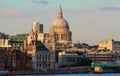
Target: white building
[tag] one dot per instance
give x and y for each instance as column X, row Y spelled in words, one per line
column 102, row 56
column 109, row 44
column 4, row 40
column 41, row 59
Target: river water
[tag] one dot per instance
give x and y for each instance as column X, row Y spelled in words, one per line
column 111, row 74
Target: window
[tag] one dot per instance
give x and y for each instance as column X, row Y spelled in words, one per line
column 40, row 57
column 37, row 57
column 46, row 65
column 40, row 65
column 46, row 57
column 37, row 65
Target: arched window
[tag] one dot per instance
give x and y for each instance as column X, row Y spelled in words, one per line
column 46, row 57
column 42, row 57
column 61, row 36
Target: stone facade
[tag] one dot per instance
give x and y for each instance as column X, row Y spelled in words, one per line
column 109, row 44
column 4, row 40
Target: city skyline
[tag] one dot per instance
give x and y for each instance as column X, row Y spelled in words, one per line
column 90, row 21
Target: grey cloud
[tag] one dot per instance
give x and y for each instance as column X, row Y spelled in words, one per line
column 110, row 8
column 106, row 8
column 12, row 13
column 41, row 1
column 68, row 10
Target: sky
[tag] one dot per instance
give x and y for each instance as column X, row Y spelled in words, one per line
column 90, row 20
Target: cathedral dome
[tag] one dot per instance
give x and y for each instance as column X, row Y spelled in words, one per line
column 60, row 24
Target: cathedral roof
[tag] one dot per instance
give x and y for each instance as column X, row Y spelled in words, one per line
column 39, row 46
column 60, row 24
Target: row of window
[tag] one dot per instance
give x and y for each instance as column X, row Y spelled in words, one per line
column 101, row 59
column 16, row 44
column 45, row 65
column 43, row 57
column 99, row 55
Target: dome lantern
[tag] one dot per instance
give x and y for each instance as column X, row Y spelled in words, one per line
column 60, row 15
column 60, row 24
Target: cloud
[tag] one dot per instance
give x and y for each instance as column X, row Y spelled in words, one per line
column 13, row 14
column 86, row 10
column 98, row 9
column 68, row 10
column 41, row 1
column 110, row 8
